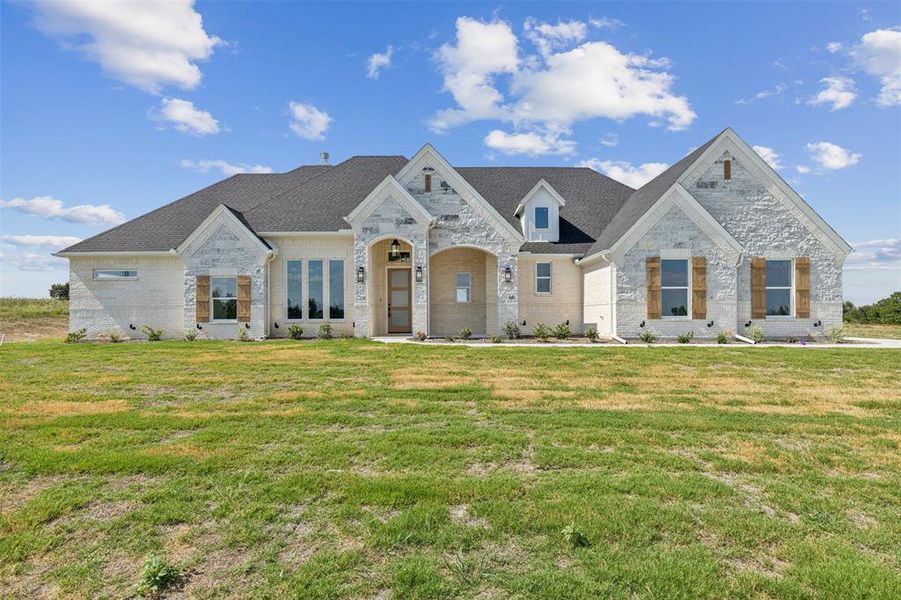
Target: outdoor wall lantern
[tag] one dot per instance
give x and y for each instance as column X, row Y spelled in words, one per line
column 508, row 274
column 361, row 274
column 419, row 274
column 395, row 249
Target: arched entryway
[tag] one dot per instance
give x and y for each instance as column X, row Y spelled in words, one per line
column 391, row 287
column 462, row 291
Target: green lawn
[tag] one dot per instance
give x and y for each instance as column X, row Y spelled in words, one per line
column 354, row 469
column 873, row 330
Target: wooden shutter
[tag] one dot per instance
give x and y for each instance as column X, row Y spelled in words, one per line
column 758, row 288
column 698, row 287
column 428, row 183
column 727, row 170
column 202, row 298
column 652, row 275
column 802, row 287
column 243, row 298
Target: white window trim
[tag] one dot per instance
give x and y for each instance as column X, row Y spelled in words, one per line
column 687, row 288
column 95, row 278
column 550, row 279
column 535, row 217
column 458, row 287
column 302, row 280
column 305, row 289
column 790, row 288
column 213, row 300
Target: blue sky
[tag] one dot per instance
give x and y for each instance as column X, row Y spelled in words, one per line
column 110, row 111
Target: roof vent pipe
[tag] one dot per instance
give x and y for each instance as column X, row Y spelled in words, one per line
column 324, row 157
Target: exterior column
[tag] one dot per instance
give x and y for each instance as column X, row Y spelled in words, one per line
column 507, row 292
column 362, row 310
column 420, row 258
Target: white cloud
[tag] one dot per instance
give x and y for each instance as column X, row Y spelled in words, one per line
column 31, row 261
column 378, row 61
column 606, row 23
column 769, row 155
column 307, row 121
column 548, row 92
column 832, row 156
column 884, row 254
column 763, row 94
column 625, row 172
column 184, row 117
column 839, row 93
column 610, row 140
column 833, row 47
column 531, row 144
column 148, row 44
column 51, row 208
column 228, row 169
column 879, row 55
column 802, row 169
column 44, row 241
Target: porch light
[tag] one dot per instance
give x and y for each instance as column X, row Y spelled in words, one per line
column 418, row 274
column 361, row 274
column 508, row 274
column 395, row 249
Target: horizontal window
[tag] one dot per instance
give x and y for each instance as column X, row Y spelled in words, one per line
column 778, row 288
column 674, row 288
column 114, row 274
column 224, row 297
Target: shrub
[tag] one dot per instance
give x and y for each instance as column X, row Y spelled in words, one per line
column 755, row 333
column 114, row 337
column 562, row 331
column 886, row 311
column 450, row 338
column 542, row 332
column 575, row 537
column 836, row 335
column 465, row 333
column 685, row 337
column 792, row 339
column 59, row 291
column 496, row 339
column 421, row 336
column 346, row 335
column 325, row 331
column 75, row 336
column 153, row 335
column 591, row 332
column 723, row 336
column 511, row 330
column 243, row 336
column 156, row 576
column 190, row 335
column 647, row 336
column 295, row 331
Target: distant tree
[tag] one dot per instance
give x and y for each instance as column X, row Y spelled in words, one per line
column 59, row 291
column 886, row 311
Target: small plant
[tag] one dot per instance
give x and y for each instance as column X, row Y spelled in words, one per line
column 156, row 576
column 575, row 537
column 75, row 336
column 243, row 336
column 114, row 337
column 562, row 331
column 450, row 338
column 346, row 335
column 792, row 339
column 465, row 333
column 836, row 335
column 421, row 336
column 496, row 339
column 153, row 335
column 591, row 332
column 755, row 332
column 511, row 330
column 542, row 332
column 325, row 331
column 295, row 331
column 685, row 338
column 723, row 336
column 190, row 335
column 647, row 336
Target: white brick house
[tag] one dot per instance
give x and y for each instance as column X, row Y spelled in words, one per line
column 382, row 245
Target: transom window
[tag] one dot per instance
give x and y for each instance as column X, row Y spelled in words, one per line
column 102, row 274
column 464, row 287
column 543, row 278
column 295, row 289
column 778, row 288
column 224, row 298
column 674, row 288
column 541, row 218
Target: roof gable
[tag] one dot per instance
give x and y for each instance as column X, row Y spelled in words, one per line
column 389, row 188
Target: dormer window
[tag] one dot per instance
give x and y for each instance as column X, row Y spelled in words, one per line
column 539, row 213
column 541, row 217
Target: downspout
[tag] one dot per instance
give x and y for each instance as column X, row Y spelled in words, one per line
column 267, row 306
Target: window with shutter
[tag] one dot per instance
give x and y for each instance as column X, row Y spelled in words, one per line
column 244, row 298
column 802, row 287
column 698, row 287
column 202, row 298
column 758, row 288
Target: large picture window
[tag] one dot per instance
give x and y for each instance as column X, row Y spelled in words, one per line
column 543, row 278
column 224, row 297
column 315, row 300
column 778, row 288
column 674, row 288
column 295, row 289
column 464, row 287
column 336, row 289
column 541, row 218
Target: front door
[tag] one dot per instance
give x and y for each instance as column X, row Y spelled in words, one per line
column 400, row 311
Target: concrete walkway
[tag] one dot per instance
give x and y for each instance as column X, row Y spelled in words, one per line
column 856, row 343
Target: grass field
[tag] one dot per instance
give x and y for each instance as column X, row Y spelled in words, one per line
column 38, row 318
column 892, row 332
column 354, row 469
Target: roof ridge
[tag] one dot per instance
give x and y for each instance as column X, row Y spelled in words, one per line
column 299, row 185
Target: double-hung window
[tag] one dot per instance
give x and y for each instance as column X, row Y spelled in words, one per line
column 295, row 289
column 315, row 291
column 464, row 287
column 336, row 289
column 778, row 288
column 543, row 278
column 224, row 297
column 674, row 288
column 541, row 217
